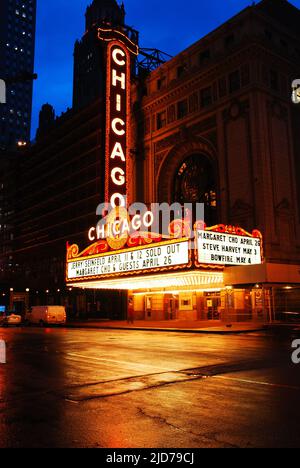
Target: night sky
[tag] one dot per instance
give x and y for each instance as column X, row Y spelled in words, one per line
column 168, row 25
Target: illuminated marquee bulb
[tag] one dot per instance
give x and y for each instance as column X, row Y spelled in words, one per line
column 118, row 103
column 116, row 78
column 114, row 124
column 117, row 124
column 115, row 54
column 118, row 197
column 118, row 152
column 118, row 181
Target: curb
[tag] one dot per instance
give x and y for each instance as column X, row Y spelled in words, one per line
column 169, row 330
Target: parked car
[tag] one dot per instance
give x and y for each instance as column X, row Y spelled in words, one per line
column 11, row 320
column 46, row 315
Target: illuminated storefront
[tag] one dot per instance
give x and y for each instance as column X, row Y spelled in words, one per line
column 170, row 279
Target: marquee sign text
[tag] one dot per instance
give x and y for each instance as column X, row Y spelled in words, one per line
column 162, row 256
column 228, row 249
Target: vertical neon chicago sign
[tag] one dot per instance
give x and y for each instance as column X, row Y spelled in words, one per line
column 119, row 50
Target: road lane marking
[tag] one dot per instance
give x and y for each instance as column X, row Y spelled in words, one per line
column 256, row 382
column 115, row 361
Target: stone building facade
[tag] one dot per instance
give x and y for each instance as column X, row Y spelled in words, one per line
column 219, row 127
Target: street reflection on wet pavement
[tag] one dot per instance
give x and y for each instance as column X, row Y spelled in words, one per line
column 119, row 388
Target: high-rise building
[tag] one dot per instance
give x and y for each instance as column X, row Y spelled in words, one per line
column 89, row 63
column 17, row 40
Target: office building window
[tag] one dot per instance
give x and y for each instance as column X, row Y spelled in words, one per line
column 204, row 57
column 182, row 109
column 161, row 83
column 229, row 41
column 234, row 81
column 245, row 75
column 180, row 71
column 222, row 87
column 161, row 120
column 274, row 80
column 206, row 97
column 193, row 102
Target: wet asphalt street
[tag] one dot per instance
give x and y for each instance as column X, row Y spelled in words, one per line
column 130, row 389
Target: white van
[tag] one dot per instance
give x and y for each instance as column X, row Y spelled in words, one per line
column 46, row 315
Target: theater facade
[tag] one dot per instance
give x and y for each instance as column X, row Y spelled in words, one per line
column 222, row 138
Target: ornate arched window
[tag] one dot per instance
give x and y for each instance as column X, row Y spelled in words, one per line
column 195, row 183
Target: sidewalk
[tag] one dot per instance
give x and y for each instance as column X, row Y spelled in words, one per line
column 205, row 327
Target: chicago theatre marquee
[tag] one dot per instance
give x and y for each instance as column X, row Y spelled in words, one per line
column 173, row 274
